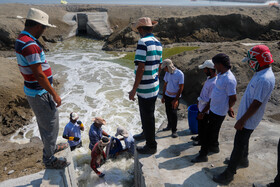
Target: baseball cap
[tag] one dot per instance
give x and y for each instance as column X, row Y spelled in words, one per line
column 207, row 64
column 74, row 116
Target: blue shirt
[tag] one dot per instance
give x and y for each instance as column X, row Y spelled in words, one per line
column 72, row 130
column 225, row 87
column 259, row 88
column 95, row 135
column 173, row 81
column 129, row 143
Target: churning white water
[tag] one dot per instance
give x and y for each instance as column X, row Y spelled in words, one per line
column 94, row 83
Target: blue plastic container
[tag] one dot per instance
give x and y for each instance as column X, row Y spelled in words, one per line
column 192, row 114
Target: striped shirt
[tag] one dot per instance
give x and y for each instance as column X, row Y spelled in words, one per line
column 29, row 52
column 149, row 51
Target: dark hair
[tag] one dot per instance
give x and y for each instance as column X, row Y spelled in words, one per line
column 147, row 29
column 223, row 59
column 30, row 23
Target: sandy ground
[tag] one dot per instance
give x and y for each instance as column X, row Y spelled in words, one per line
column 26, row 159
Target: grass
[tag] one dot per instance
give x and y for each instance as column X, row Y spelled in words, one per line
column 167, row 52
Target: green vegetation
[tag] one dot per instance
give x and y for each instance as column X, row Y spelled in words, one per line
column 167, row 52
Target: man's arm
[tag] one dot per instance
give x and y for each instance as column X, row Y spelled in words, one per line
column 44, row 82
column 253, row 108
column 163, row 92
column 105, row 133
column 202, row 113
column 138, row 78
column 175, row 101
column 231, row 102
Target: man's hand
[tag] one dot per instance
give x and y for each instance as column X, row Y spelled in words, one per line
column 76, row 139
column 162, row 100
column 57, row 99
column 231, row 112
column 200, row 116
column 239, row 124
column 132, row 94
column 175, row 104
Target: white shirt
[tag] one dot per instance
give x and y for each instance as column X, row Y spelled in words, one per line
column 206, row 92
column 225, row 87
column 173, row 81
column 259, row 88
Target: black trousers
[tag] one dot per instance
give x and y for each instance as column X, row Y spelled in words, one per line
column 210, row 134
column 202, row 124
column 76, row 146
column 277, row 178
column 147, row 109
column 240, row 149
column 171, row 113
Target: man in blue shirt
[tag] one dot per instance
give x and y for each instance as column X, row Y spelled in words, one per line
column 72, row 131
column 251, row 109
column 96, row 132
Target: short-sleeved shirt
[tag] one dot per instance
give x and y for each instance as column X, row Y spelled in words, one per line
column 173, row 81
column 72, row 130
column 149, row 51
column 129, row 143
column 29, row 52
column 95, row 134
column 225, row 87
column 259, row 88
column 206, row 92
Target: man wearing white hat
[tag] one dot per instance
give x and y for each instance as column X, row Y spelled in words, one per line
column 72, row 131
column 204, row 98
column 38, row 80
column 147, row 61
column 172, row 91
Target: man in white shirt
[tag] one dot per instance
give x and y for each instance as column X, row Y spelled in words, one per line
column 172, row 91
column 251, row 109
column 223, row 98
column 204, row 100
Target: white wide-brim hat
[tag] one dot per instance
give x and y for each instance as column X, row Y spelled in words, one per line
column 38, row 16
column 207, row 64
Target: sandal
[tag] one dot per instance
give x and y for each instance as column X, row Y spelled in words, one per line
column 60, row 147
column 58, row 164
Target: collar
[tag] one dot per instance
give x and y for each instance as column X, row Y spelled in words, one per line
column 148, row 35
column 28, row 34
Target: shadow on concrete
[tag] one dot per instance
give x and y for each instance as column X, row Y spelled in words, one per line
column 175, row 164
column 173, row 150
column 34, row 183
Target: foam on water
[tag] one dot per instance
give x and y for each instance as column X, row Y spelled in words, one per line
column 94, row 85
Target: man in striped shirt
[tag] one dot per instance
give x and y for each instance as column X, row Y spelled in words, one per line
column 147, row 61
column 38, row 78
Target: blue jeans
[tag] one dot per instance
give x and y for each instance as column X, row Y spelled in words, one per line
column 47, row 118
column 147, row 109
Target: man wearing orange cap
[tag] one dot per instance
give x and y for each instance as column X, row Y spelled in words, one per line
column 148, row 58
column 251, row 109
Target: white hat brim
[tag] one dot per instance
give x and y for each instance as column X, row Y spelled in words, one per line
column 45, row 24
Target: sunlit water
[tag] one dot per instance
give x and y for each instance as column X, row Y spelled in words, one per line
column 95, row 83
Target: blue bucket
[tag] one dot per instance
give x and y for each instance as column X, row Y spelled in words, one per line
column 192, row 114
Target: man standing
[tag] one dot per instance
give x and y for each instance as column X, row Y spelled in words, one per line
column 96, row 132
column 223, row 98
column 38, row 88
column 72, row 131
column 204, row 100
column 251, row 109
column 147, row 61
column 172, row 90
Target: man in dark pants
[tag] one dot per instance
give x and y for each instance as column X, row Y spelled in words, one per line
column 223, row 98
column 148, row 57
column 251, row 109
column 204, row 98
column 172, row 90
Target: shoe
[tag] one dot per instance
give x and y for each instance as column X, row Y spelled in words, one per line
column 166, row 129
column 139, row 137
column 199, row 158
column 58, row 164
column 195, row 138
column 196, row 143
column 214, row 149
column 244, row 163
column 224, row 178
column 174, row 135
column 146, row 150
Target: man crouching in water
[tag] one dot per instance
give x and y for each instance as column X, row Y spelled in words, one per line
column 98, row 156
